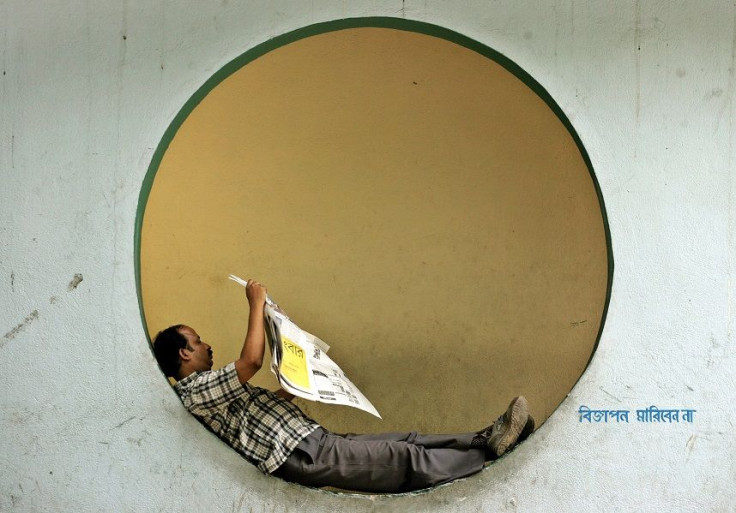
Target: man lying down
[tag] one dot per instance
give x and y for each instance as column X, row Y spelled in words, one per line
column 277, row 437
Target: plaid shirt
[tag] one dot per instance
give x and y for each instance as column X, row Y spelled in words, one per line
column 255, row 422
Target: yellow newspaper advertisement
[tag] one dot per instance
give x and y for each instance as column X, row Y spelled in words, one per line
column 300, row 362
column 293, row 366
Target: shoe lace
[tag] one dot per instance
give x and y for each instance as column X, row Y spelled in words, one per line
column 486, row 433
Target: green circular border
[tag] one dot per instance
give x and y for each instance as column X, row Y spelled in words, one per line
column 335, row 25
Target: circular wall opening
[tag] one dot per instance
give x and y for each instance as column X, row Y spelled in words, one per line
column 407, row 194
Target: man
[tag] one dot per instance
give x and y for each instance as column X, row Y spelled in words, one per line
column 277, row 437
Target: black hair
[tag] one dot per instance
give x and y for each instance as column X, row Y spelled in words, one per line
column 166, row 347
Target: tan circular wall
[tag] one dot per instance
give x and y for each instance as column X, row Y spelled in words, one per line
column 408, row 200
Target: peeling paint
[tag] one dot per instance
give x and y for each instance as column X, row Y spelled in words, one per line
column 75, row 282
column 13, row 332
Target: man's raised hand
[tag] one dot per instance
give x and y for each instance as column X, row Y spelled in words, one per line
column 256, row 293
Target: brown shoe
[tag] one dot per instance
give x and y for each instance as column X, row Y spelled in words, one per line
column 506, row 431
column 528, row 429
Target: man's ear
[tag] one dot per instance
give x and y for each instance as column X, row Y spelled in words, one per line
column 184, row 355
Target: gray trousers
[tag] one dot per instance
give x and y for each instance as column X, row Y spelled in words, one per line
column 382, row 463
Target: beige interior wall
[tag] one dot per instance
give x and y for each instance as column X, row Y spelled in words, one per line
column 406, row 199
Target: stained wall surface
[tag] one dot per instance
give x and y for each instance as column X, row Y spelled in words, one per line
column 88, row 89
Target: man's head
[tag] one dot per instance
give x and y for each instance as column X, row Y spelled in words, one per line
column 180, row 351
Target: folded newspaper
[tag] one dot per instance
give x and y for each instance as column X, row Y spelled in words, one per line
column 300, row 362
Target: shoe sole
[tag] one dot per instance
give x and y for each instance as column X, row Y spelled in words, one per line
column 528, row 429
column 518, row 414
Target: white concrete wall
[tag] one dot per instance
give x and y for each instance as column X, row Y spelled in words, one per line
column 87, row 90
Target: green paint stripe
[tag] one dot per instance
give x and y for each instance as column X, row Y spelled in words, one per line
column 375, row 22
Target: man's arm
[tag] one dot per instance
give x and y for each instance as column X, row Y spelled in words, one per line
column 254, row 345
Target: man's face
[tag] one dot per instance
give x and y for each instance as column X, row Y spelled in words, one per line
column 199, row 353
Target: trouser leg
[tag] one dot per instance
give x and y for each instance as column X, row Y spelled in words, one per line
column 391, row 462
column 455, row 441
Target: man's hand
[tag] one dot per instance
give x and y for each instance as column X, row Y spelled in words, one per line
column 254, row 345
column 256, row 294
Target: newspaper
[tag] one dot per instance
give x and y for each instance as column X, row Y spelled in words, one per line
column 300, row 362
